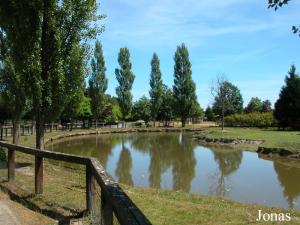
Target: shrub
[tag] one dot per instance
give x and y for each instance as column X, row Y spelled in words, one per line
column 250, row 120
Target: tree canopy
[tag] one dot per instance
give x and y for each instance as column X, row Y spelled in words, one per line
column 156, row 87
column 184, row 88
column 98, row 82
column 125, row 78
column 287, row 107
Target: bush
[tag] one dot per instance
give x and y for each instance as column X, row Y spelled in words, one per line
column 250, row 120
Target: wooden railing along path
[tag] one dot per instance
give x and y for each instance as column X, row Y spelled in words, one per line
column 113, row 198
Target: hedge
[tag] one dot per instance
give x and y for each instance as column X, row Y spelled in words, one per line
column 251, row 120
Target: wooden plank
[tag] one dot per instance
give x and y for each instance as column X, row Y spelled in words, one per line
column 11, row 164
column 123, row 207
column 106, row 210
column 48, row 154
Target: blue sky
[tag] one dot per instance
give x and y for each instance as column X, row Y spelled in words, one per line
column 243, row 39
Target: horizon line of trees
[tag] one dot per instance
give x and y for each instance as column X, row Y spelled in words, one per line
column 228, row 103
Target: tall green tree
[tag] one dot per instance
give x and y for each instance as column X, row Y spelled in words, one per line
column 184, row 88
column 156, row 85
column 14, row 95
column 74, row 71
column 228, row 99
column 125, row 78
column 287, row 107
column 17, row 59
column 254, row 105
column 166, row 112
column 50, row 29
column 98, row 83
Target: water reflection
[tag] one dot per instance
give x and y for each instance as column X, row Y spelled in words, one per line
column 174, row 161
column 288, row 177
column 124, row 166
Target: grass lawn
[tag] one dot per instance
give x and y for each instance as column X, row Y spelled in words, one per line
column 161, row 207
column 273, row 138
column 179, row 208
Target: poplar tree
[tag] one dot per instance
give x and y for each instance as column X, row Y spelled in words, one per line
column 49, row 29
column 156, row 85
column 98, row 82
column 184, row 88
column 125, row 78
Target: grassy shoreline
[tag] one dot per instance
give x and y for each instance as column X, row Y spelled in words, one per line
column 272, row 138
column 161, row 207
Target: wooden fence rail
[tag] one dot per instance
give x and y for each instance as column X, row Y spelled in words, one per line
column 113, row 198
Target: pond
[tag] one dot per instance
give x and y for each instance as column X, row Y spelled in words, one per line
column 174, row 161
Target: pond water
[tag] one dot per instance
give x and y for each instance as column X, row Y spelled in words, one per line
column 174, row 161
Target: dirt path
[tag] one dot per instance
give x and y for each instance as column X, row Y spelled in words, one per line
column 12, row 213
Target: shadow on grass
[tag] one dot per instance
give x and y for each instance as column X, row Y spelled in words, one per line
column 34, row 202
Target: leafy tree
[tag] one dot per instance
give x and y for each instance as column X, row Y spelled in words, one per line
column 142, row 109
column 279, row 3
column 209, row 114
column 84, row 111
column 254, row 105
column 166, row 112
column 266, row 106
column 116, row 114
column 98, row 83
column 156, row 85
column 50, row 29
column 228, row 99
column 13, row 69
column 287, row 107
column 74, row 84
column 14, row 95
column 197, row 111
column 184, row 88
column 125, row 78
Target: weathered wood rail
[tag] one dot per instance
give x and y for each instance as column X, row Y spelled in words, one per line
column 113, row 199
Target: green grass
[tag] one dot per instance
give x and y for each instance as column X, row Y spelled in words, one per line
column 179, row 208
column 273, row 138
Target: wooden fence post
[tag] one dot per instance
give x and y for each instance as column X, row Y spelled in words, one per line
column 11, row 164
column 90, row 188
column 39, row 175
column 106, row 210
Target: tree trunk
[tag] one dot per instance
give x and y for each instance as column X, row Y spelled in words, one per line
column 223, row 118
column 183, row 122
column 40, row 134
column 16, row 131
column 71, row 125
column 96, row 125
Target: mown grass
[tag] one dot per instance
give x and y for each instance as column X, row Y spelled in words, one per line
column 179, row 208
column 272, row 138
column 65, row 192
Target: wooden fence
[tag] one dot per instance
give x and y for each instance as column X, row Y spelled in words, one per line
column 113, row 198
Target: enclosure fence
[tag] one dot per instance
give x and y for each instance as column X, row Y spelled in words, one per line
column 103, row 199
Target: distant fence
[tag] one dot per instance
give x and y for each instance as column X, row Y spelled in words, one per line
column 111, row 201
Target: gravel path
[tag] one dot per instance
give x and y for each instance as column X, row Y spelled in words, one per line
column 6, row 214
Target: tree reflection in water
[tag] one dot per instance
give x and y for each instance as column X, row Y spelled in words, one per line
column 288, row 176
column 124, row 166
column 228, row 162
column 166, row 151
